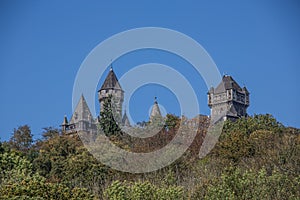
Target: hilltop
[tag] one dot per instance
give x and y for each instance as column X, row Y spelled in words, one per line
column 255, row 158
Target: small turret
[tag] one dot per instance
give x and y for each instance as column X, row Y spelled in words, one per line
column 125, row 120
column 65, row 124
column 155, row 112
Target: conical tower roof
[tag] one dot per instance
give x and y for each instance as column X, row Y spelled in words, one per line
column 82, row 112
column 125, row 120
column 111, row 81
column 155, row 112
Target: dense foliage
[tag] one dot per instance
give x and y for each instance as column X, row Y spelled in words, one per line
column 255, row 158
column 19, row 181
column 109, row 118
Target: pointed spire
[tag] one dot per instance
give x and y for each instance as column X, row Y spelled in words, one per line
column 111, row 67
column 65, row 122
column 155, row 112
column 82, row 112
column 111, row 81
column 125, row 120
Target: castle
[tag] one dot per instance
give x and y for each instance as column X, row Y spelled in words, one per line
column 82, row 119
column 227, row 101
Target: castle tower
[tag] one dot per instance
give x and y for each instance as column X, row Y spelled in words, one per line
column 81, row 120
column 228, row 100
column 112, row 87
column 155, row 112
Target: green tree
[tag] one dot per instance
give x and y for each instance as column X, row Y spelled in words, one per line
column 53, row 154
column 253, row 123
column 18, row 181
column 21, row 139
column 142, row 191
column 50, row 132
column 1, row 148
column 108, row 120
column 63, row 159
column 234, row 146
column 172, row 122
column 236, row 184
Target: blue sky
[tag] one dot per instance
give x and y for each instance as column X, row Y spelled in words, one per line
column 43, row 44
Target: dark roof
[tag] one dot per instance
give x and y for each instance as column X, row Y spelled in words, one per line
column 245, row 89
column 111, row 81
column 227, row 83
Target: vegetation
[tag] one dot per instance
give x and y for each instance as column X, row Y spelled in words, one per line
column 109, row 118
column 255, row 158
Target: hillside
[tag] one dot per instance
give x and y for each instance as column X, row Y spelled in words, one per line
column 256, row 158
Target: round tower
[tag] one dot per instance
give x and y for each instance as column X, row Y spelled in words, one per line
column 112, row 87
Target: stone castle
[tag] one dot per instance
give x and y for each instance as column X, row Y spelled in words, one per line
column 227, row 101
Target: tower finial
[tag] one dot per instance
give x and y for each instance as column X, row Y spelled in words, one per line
column 155, row 99
column 111, row 67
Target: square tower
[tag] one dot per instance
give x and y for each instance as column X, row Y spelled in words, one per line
column 228, row 100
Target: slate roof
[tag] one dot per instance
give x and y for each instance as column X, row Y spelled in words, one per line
column 245, row 89
column 82, row 112
column 111, row 81
column 227, row 83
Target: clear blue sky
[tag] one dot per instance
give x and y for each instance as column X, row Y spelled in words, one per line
column 43, row 44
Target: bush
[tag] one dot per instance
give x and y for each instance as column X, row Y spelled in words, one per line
column 235, row 184
column 142, row 191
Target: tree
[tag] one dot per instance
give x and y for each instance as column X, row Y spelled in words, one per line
column 236, row 184
column 1, row 147
column 234, row 146
column 21, row 139
column 142, row 190
column 53, row 154
column 50, row 132
column 253, row 123
column 172, row 122
column 18, row 181
column 108, row 120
